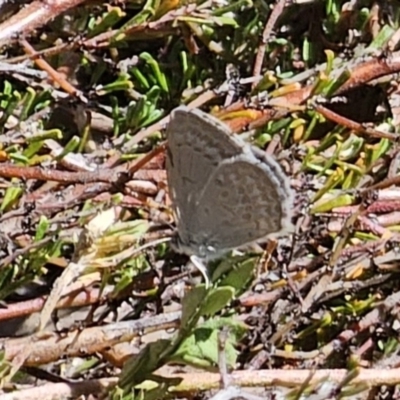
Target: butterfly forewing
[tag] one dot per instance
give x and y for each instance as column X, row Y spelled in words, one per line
column 196, row 145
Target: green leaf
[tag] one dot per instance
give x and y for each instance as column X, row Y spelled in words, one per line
column 11, row 196
column 191, row 303
column 42, row 228
column 201, row 348
column 333, row 202
column 137, row 368
column 216, row 300
column 240, row 276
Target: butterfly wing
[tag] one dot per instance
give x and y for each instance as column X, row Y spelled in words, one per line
column 246, row 199
column 196, row 144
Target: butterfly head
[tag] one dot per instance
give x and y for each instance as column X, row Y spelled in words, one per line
column 201, row 250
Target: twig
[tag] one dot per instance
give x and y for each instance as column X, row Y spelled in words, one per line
column 33, row 16
column 348, row 123
column 49, row 347
column 269, row 26
column 64, row 84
